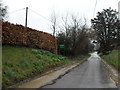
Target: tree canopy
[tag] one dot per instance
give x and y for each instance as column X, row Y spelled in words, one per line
column 3, row 10
column 106, row 26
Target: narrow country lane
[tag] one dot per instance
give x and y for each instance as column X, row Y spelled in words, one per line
column 91, row 74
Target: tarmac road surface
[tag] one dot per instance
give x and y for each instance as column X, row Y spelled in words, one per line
column 90, row 74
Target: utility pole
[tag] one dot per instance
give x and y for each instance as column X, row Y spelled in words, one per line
column 26, row 16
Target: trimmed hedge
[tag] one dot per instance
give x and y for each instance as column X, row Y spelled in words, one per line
column 19, row 35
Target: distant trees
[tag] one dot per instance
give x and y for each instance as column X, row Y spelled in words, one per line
column 74, row 36
column 3, row 10
column 106, row 27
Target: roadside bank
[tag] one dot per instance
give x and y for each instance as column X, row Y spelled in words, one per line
column 113, row 73
column 49, row 77
column 21, row 64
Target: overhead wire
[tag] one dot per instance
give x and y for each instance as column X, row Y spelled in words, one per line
column 46, row 19
column 31, row 11
column 40, row 15
column 16, row 11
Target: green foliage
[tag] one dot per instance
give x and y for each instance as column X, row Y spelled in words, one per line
column 106, row 27
column 35, row 51
column 10, row 74
column 113, row 58
column 39, row 56
column 24, row 63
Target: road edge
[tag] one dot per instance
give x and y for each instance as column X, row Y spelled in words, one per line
column 70, row 67
column 113, row 73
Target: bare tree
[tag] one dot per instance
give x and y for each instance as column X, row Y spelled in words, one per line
column 75, row 32
column 65, row 25
column 54, row 22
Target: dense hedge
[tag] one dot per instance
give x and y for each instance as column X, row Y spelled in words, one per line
column 19, row 35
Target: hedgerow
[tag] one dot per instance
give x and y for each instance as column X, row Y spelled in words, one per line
column 19, row 35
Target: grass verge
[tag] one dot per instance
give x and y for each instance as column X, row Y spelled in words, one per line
column 113, row 58
column 20, row 63
column 81, row 57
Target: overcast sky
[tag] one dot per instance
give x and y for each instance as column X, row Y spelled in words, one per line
column 39, row 8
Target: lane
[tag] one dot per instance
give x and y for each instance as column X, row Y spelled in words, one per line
column 91, row 74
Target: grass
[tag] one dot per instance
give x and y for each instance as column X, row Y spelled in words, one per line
column 20, row 63
column 113, row 58
column 0, row 66
column 81, row 57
